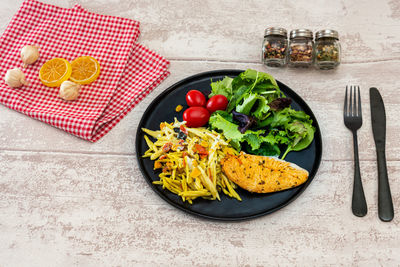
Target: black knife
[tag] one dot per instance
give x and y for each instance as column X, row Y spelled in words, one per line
column 378, row 117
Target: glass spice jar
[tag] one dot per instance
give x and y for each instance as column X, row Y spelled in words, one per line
column 274, row 47
column 301, row 48
column 327, row 49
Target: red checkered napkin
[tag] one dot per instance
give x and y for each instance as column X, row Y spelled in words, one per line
column 129, row 71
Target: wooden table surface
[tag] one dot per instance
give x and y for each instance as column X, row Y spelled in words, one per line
column 65, row 201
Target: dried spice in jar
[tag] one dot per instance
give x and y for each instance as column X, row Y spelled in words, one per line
column 327, row 49
column 301, row 48
column 274, row 47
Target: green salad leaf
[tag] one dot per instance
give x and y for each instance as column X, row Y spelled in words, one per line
column 223, row 87
column 237, row 97
column 257, row 95
column 248, row 102
column 227, row 116
column 266, row 149
column 255, row 105
column 294, row 129
column 251, row 82
column 261, row 111
column 231, row 132
column 302, row 140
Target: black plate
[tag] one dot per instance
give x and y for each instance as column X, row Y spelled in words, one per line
column 228, row 209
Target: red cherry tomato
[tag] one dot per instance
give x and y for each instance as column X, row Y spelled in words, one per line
column 217, row 102
column 195, row 98
column 196, row 116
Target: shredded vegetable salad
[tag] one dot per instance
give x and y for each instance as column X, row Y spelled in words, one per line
column 189, row 160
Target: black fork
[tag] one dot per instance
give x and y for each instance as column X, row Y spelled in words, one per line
column 353, row 120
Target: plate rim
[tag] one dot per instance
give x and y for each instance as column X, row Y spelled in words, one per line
column 216, row 218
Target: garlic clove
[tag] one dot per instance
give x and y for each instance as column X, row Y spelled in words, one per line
column 24, row 81
column 69, row 90
column 15, row 78
column 29, row 54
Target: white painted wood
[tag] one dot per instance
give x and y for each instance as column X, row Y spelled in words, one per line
column 233, row 30
column 98, row 210
column 65, row 201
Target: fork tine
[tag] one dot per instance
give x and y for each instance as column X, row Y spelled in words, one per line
column 351, row 101
column 355, row 104
column 359, row 102
column 345, row 103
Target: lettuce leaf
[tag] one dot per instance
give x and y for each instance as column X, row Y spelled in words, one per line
column 254, row 105
column 245, row 121
column 227, row 116
column 223, row 87
column 257, row 95
column 237, row 97
column 256, row 82
column 295, row 129
column 262, row 109
column 265, row 79
column 248, row 102
column 266, row 149
column 230, row 131
column 302, row 139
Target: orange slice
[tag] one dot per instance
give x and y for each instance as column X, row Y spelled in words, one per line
column 55, row 71
column 85, row 70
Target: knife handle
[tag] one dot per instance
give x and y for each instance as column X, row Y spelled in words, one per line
column 385, row 204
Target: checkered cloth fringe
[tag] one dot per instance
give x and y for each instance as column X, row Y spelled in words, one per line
column 129, row 71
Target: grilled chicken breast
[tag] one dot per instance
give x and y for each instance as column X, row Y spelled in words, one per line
column 261, row 174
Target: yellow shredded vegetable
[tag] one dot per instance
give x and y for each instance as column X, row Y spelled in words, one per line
column 190, row 164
